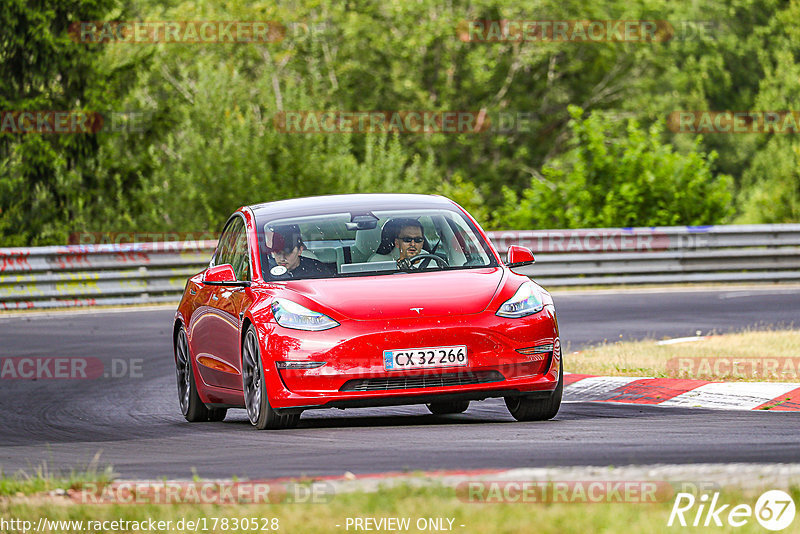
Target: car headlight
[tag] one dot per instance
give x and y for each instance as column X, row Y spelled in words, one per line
column 290, row 314
column 528, row 299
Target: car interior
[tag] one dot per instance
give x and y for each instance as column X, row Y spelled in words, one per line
column 334, row 243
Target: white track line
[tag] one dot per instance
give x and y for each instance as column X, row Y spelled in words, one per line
column 731, row 395
column 596, row 387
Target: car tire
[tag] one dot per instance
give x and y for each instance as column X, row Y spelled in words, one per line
column 261, row 414
column 192, row 407
column 530, row 409
column 445, row 408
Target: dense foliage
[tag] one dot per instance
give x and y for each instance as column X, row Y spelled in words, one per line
column 577, row 135
column 634, row 181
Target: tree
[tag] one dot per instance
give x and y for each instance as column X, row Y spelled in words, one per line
column 770, row 191
column 618, row 174
column 47, row 181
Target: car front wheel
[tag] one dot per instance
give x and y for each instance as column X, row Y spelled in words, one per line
column 260, row 413
column 531, row 409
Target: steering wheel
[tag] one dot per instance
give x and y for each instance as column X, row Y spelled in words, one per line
column 424, row 258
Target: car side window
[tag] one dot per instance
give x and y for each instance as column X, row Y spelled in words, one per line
column 232, row 249
column 240, row 258
column 223, row 248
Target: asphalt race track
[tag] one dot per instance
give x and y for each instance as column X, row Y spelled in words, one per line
column 133, row 422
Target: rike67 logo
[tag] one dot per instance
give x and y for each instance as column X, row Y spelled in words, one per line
column 774, row 510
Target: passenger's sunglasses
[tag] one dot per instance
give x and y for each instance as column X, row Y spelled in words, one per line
column 410, row 239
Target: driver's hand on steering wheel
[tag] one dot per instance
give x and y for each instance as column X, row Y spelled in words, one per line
column 420, row 261
column 404, row 264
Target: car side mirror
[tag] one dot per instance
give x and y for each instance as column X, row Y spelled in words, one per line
column 222, row 275
column 519, row 256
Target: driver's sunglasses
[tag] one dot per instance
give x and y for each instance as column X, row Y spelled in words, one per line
column 410, row 239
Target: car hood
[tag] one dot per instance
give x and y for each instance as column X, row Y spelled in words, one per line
column 404, row 295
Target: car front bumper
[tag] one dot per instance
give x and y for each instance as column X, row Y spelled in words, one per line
column 354, row 375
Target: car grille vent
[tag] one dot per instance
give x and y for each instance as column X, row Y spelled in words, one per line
column 421, row 381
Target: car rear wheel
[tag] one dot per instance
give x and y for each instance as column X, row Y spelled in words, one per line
column 444, row 408
column 192, row 407
column 530, row 409
column 260, row 413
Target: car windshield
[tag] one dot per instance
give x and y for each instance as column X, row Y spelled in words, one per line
column 371, row 243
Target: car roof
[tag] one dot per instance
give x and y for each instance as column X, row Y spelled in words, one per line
column 358, row 203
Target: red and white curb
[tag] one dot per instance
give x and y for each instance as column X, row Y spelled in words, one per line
column 767, row 396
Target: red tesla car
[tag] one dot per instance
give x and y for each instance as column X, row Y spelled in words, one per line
column 363, row 300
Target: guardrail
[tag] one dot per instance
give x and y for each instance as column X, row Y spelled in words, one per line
column 93, row 275
column 660, row 255
column 111, row 274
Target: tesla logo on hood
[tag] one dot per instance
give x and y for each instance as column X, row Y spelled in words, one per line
column 418, row 310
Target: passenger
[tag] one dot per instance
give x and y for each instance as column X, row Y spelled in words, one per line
column 285, row 245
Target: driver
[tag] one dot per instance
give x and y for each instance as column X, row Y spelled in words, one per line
column 285, row 245
column 406, row 243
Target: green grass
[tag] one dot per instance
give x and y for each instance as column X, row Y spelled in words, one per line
column 645, row 358
column 43, row 479
column 403, row 501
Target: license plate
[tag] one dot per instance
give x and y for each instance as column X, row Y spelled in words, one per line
column 425, row 358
